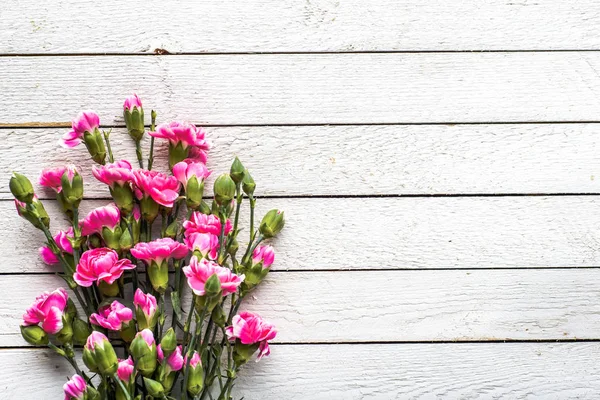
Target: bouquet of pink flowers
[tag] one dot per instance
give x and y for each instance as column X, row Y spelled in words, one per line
column 139, row 341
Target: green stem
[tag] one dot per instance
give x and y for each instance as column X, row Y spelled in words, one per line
column 190, row 349
column 152, row 129
column 122, row 386
column 161, row 315
column 186, row 327
column 138, row 153
column 110, row 153
column 252, row 205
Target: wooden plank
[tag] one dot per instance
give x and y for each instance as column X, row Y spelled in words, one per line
column 308, row 88
column 405, row 305
column 511, row 370
column 359, row 160
column 392, row 233
column 284, row 26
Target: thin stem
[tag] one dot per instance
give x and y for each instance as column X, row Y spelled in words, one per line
column 252, row 205
column 110, row 153
column 152, row 128
column 186, row 327
column 138, row 153
column 161, row 315
column 122, row 386
column 190, row 349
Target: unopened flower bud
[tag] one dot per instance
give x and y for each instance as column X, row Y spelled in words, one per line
column 95, row 241
column 224, row 190
column 195, row 375
column 34, row 335
column 33, row 212
column 218, row 315
column 65, row 335
column 155, row 389
column 205, row 208
column 71, row 311
column 143, row 350
column 212, row 287
column 81, row 331
column 248, row 184
column 168, row 343
column 233, row 248
column 125, row 241
column 95, row 145
column 172, row 230
column 123, row 197
column 21, row 188
column 272, row 223
column 99, row 355
column 194, row 192
column 237, row 171
column 72, row 189
column 134, row 117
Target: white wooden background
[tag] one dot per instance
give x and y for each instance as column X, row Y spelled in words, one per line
column 439, row 164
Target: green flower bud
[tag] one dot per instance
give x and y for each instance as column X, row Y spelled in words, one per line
column 248, row 184
column 212, row 286
column 123, row 197
column 149, row 209
column 205, row 208
column 34, row 335
column 237, row 171
column 81, row 331
column 224, row 190
column 99, row 355
column 172, row 230
column 125, row 241
column 177, row 153
column 91, row 394
column 242, row 353
column 195, row 376
column 95, row 145
column 134, row 120
column 65, row 335
column 72, row 189
column 95, row 241
column 272, row 223
column 168, row 344
column 34, row 212
column 159, row 276
column 112, row 238
column 21, row 188
column 219, row 317
column 194, row 192
column 128, row 331
column 71, row 311
column 233, row 248
column 143, row 350
column 155, row 389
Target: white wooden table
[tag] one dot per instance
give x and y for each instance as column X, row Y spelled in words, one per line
column 439, row 164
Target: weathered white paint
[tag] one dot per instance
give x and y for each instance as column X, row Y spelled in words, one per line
column 392, row 233
column 287, row 25
column 308, row 88
column 358, row 160
column 382, row 372
column 364, row 306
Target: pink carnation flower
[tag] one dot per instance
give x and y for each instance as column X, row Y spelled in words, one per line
column 131, row 102
column 48, row 256
column 198, row 154
column 159, row 250
column 51, row 177
column 125, row 369
column 86, row 121
column 112, row 316
column 264, row 254
column 250, row 328
column 161, row 188
column 108, row 216
column 148, row 336
column 75, row 388
column 63, row 243
column 198, row 272
column 195, row 360
column 98, row 265
column 118, row 173
column 174, row 361
column 202, row 223
column 145, row 302
column 205, row 243
column 96, row 339
column 181, row 132
column 47, row 310
column 186, row 169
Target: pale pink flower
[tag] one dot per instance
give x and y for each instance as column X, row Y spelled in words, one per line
column 145, row 302
column 131, row 102
column 198, row 154
column 96, row 339
column 159, row 250
column 112, row 316
column 250, row 328
column 264, row 254
column 108, row 216
column 161, row 188
column 186, row 169
column 118, row 173
column 51, row 177
column 198, row 272
column 175, row 359
column 205, row 243
column 98, row 265
column 48, row 256
column 75, row 388
column 147, row 335
column 202, row 223
column 86, row 121
column 181, row 132
column 47, row 310
column 195, row 361
column 125, row 369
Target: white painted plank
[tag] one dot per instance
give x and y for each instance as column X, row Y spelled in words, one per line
column 396, row 305
column 398, row 371
column 316, row 25
column 359, row 160
column 391, row 233
column 305, row 88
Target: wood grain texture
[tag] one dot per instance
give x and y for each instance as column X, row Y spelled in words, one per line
column 381, row 372
column 392, row 233
column 308, row 88
column 396, row 305
column 358, row 160
column 286, row 26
